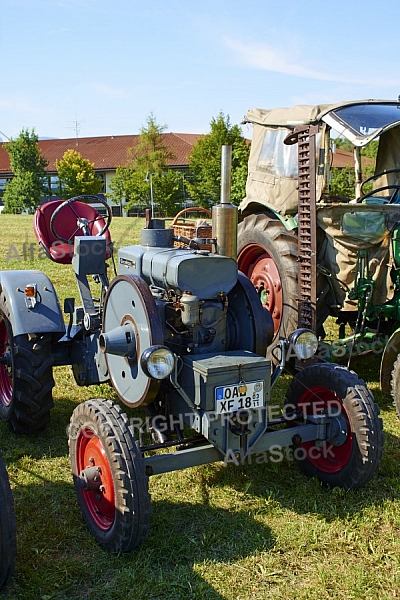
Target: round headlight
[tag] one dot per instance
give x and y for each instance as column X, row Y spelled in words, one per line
column 304, row 343
column 157, row 362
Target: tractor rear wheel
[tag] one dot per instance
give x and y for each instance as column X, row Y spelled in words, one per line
column 267, row 254
column 109, row 475
column 26, row 377
column 352, row 454
column 8, row 543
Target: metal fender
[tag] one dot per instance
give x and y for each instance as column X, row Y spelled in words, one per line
column 41, row 315
column 392, row 349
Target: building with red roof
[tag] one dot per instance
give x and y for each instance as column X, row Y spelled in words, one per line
column 105, row 153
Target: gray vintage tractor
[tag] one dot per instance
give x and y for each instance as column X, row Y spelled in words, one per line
column 311, row 254
column 181, row 336
column 8, row 543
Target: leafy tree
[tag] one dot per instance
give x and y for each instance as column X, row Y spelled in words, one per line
column 205, row 163
column 25, row 190
column 343, row 144
column 77, row 175
column 150, row 154
column 148, row 160
column 342, row 182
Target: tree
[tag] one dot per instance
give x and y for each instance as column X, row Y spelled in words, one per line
column 25, row 190
column 342, row 183
column 76, row 175
column 147, row 165
column 150, row 154
column 205, row 163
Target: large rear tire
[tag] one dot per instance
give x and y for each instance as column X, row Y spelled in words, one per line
column 267, row 254
column 352, row 455
column 26, row 377
column 8, row 543
column 109, row 476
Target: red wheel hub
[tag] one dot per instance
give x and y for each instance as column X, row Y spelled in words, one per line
column 259, row 266
column 100, row 502
column 328, row 458
column 6, row 388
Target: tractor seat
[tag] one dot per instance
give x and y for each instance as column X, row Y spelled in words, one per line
column 66, row 226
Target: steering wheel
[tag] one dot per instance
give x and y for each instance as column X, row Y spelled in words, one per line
column 86, row 217
column 395, row 195
column 376, row 176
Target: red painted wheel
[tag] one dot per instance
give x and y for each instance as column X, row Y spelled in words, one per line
column 109, row 475
column 267, row 254
column 5, row 370
column 319, row 399
column 351, row 453
column 26, row 376
column 261, row 269
column 100, row 502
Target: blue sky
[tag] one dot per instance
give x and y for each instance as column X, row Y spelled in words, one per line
column 105, row 65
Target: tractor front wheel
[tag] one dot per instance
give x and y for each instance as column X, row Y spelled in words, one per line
column 8, row 543
column 109, row 476
column 26, row 377
column 351, row 454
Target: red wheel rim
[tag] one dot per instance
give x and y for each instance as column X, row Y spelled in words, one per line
column 328, row 458
column 100, row 503
column 259, row 266
column 6, row 387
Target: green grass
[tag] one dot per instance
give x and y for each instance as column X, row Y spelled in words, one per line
column 223, row 533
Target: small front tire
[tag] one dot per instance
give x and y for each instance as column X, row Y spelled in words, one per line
column 353, row 457
column 114, row 501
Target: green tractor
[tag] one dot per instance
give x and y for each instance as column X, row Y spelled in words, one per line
column 311, row 254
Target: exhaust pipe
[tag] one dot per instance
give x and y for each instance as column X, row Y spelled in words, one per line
column 224, row 215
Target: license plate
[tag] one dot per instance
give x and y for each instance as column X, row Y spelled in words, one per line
column 242, row 396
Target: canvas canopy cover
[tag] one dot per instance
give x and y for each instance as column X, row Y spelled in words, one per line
column 348, row 228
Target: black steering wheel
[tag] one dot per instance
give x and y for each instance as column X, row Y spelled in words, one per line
column 394, row 195
column 82, row 222
column 376, row 176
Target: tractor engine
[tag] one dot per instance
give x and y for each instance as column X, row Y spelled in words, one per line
column 173, row 308
column 190, row 289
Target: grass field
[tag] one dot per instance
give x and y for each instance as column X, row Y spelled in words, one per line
column 217, row 533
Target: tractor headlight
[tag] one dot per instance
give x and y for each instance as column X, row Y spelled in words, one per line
column 303, row 342
column 157, row 362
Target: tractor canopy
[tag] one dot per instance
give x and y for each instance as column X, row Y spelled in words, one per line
column 363, row 222
column 273, row 170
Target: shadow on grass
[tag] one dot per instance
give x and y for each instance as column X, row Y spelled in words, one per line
column 52, row 441
column 57, row 558
column 285, row 485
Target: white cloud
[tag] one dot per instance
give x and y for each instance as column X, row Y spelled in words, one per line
column 264, row 57
column 57, row 31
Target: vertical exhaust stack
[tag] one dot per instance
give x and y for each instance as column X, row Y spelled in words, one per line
column 224, row 215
